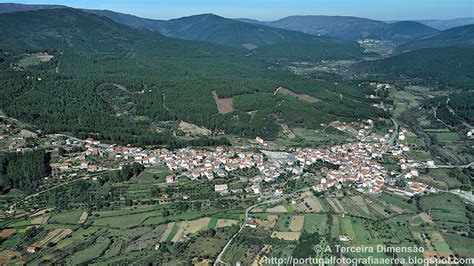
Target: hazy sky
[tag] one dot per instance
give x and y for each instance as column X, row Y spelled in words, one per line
column 275, row 9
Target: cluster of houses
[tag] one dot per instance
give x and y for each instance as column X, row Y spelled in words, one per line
column 412, row 188
column 358, row 163
column 14, row 138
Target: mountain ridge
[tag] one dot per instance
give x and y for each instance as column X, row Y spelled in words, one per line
column 455, row 37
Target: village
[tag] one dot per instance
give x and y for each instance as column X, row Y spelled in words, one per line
column 372, row 172
column 358, row 164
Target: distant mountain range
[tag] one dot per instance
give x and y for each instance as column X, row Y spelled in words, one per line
column 456, row 37
column 353, row 28
column 446, row 24
column 314, row 31
column 212, row 28
column 11, row 7
column 68, row 29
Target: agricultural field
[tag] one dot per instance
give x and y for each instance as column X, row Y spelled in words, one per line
column 452, row 217
column 403, row 101
column 315, row 223
column 68, row 217
column 129, row 141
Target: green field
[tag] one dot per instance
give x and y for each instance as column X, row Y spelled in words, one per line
column 288, row 208
column 446, row 208
column 283, row 222
column 190, row 215
column 20, row 223
column 124, row 221
column 212, row 222
column 403, row 100
column 447, row 136
column 450, row 215
column 69, row 217
column 91, row 252
column 173, row 232
column 315, row 223
column 397, row 201
column 346, row 227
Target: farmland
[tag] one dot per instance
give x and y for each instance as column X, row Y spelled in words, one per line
column 129, row 141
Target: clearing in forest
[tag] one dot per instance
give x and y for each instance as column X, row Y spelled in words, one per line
column 301, row 97
column 189, row 129
column 224, row 105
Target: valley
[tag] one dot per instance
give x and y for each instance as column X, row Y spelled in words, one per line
column 207, row 140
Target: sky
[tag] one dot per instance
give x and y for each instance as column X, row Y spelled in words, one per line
column 276, row 9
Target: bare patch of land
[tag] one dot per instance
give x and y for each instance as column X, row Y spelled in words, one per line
column 190, row 129
column 296, row 223
column 249, row 46
column 268, row 223
column 277, row 209
column 287, row 131
column 301, row 97
column 34, row 59
column 225, row 223
column 6, row 233
column 83, row 218
column 426, row 218
column 190, row 227
column 313, row 203
column 224, row 105
column 291, row 236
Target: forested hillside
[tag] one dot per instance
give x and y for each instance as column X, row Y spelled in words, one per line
column 114, row 83
column 23, row 171
column 449, row 66
column 456, row 37
column 455, row 108
column 11, row 7
column 235, row 33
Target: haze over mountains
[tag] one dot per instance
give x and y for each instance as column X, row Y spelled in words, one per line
column 353, row 28
column 11, row 7
column 445, row 24
column 456, row 37
column 316, row 30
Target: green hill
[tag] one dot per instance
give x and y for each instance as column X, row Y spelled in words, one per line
column 105, row 80
column 12, row 7
column 354, row 28
column 456, row 37
column 451, row 66
column 73, row 30
column 446, row 24
column 211, row 28
column 323, row 48
column 406, row 31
